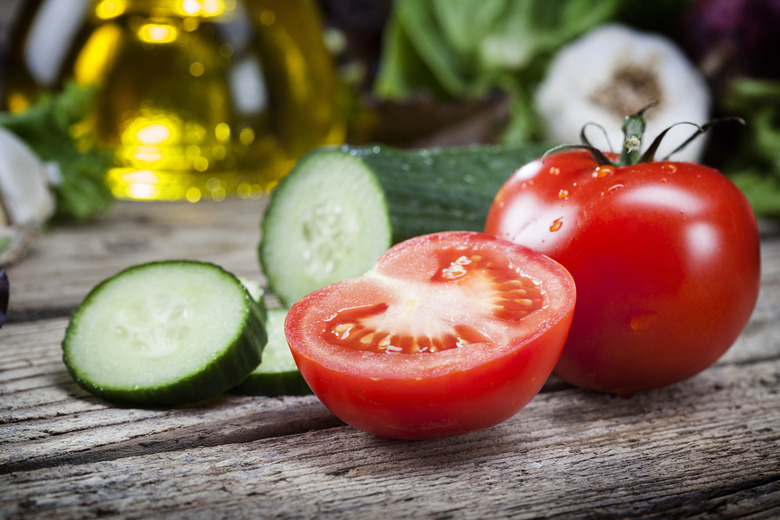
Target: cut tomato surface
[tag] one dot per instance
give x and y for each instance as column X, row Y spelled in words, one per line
column 448, row 333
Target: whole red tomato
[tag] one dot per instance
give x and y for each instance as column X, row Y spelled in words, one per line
column 665, row 256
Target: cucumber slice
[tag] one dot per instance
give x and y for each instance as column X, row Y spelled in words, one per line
column 257, row 293
column 340, row 208
column 164, row 334
column 325, row 222
column 277, row 374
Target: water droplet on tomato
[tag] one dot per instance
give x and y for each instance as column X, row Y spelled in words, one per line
column 563, row 194
column 603, row 171
column 556, row 225
column 555, row 171
column 669, row 167
column 611, row 189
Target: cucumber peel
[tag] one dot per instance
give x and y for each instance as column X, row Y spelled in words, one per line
column 277, row 374
column 165, row 334
column 340, row 208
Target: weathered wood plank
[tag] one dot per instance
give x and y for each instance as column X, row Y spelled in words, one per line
column 44, row 414
column 108, row 433
column 46, row 419
column 705, row 448
column 75, row 258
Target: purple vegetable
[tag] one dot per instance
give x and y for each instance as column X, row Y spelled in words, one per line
column 734, row 37
column 361, row 22
column 5, row 288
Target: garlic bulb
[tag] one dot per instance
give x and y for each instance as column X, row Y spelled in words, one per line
column 614, row 71
column 26, row 201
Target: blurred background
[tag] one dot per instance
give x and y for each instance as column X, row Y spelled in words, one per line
column 207, row 99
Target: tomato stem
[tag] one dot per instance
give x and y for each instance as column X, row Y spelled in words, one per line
column 634, row 127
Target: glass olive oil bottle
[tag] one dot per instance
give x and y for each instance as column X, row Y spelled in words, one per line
column 199, row 99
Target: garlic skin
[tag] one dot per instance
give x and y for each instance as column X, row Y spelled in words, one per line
column 615, row 71
column 26, row 201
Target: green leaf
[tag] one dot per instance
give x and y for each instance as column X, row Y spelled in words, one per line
column 755, row 163
column 403, row 71
column 46, row 127
column 762, row 191
column 464, row 28
column 462, row 49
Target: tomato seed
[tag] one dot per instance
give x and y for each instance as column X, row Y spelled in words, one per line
column 342, row 330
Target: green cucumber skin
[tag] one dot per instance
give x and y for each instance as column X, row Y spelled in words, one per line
column 274, row 383
column 442, row 189
column 217, row 377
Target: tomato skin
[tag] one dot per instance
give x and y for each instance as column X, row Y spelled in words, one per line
column 665, row 255
column 450, row 392
column 451, row 404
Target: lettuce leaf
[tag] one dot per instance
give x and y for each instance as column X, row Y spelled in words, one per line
column 456, row 49
column 462, row 48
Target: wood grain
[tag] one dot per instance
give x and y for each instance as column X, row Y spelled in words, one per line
column 75, row 258
column 692, row 449
column 705, row 448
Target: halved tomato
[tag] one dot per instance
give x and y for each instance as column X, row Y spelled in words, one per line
column 449, row 333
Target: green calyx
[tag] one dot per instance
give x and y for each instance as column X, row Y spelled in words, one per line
column 633, row 131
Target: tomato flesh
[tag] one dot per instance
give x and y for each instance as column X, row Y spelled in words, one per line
column 508, row 297
column 449, row 333
column 665, row 256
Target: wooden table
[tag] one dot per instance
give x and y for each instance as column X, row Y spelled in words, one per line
column 706, row 448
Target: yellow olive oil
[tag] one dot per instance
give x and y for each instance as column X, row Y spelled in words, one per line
column 198, row 99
